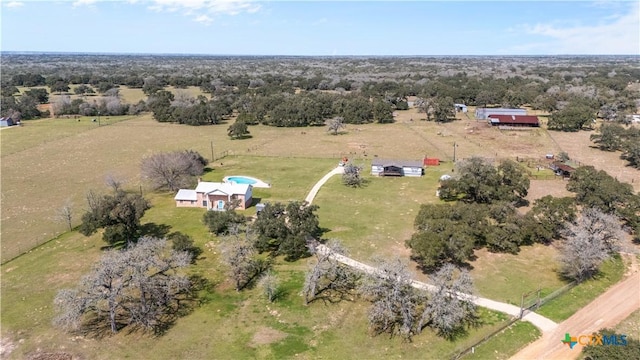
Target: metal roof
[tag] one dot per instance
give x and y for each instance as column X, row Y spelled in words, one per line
column 398, row 163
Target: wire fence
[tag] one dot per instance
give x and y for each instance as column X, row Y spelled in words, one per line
column 531, row 305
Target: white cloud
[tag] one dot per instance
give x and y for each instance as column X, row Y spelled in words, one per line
column 204, row 19
column 200, row 9
column 83, row 3
column 14, row 4
column 617, row 34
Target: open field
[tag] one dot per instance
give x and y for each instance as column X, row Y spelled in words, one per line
column 504, row 277
column 581, row 150
column 127, row 94
column 64, row 162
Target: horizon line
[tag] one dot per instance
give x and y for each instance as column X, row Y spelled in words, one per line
column 95, row 53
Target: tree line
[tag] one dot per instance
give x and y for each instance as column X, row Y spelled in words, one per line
column 575, row 91
column 483, row 214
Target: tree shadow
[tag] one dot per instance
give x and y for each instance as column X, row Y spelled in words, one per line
column 242, row 137
column 155, row 230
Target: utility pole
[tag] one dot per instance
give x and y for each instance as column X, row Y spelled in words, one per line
column 212, row 158
column 98, row 118
column 454, row 151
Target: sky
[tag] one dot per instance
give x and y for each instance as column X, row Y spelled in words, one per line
column 339, row 28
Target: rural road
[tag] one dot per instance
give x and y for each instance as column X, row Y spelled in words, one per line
column 605, row 311
column 544, row 324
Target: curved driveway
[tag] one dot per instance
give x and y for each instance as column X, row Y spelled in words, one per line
column 544, row 324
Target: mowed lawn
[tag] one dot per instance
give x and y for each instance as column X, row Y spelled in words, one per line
column 376, row 219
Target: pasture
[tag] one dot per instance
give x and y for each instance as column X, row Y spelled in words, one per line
column 227, row 324
column 49, row 162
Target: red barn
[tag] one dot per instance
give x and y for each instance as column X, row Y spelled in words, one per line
column 514, row 120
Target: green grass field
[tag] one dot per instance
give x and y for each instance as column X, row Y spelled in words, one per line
column 48, row 162
column 506, row 343
column 505, row 277
column 562, row 307
column 228, row 325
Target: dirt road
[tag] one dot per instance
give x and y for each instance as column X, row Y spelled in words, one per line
column 606, row 311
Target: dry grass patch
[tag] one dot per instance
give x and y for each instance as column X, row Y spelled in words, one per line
column 265, row 336
column 580, row 149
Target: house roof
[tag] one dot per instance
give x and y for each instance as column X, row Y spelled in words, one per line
column 565, row 168
column 398, row 163
column 186, row 194
column 515, row 119
column 222, row 188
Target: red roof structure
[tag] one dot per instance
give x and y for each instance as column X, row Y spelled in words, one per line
column 514, row 120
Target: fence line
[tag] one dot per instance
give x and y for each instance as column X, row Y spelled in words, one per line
column 471, row 348
column 532, row 306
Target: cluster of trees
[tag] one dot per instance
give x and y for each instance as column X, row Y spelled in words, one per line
column 173, row 170
column 287, row 229
column 138, row 286
column 599, row 190
column 615, row 137
column 286, row 92
column 184, row 109
column 486, row 217
column 119, row 214
column 397, row 307
column 478, row 181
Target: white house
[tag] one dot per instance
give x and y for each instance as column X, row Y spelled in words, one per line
column 215, row 195
column 382, row 167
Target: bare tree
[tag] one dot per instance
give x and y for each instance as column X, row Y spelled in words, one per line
column 173, row 170
column 449, row 309
column 65, row 214
column 328, row 279
column 336, row 124
column 589, row 242
column 240, row 255
column 270, row 285
column 114, row 182
column 395, row 301
column 137, row 286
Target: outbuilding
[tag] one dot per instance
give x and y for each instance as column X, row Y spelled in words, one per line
column 460, row 107
column 6, row 121
column 514, row 120
column 383, row 167
column 483, row 113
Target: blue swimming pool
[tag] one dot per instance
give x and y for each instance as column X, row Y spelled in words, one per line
column 241, row 180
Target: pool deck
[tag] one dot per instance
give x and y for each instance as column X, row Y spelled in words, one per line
column 258, row 183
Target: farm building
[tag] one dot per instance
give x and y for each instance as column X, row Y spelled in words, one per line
column 215, row 195
column 483, row 113
column 383, row 167
column 6, row 121
column 561, row 169
column 514, row 120
column 460, row 107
